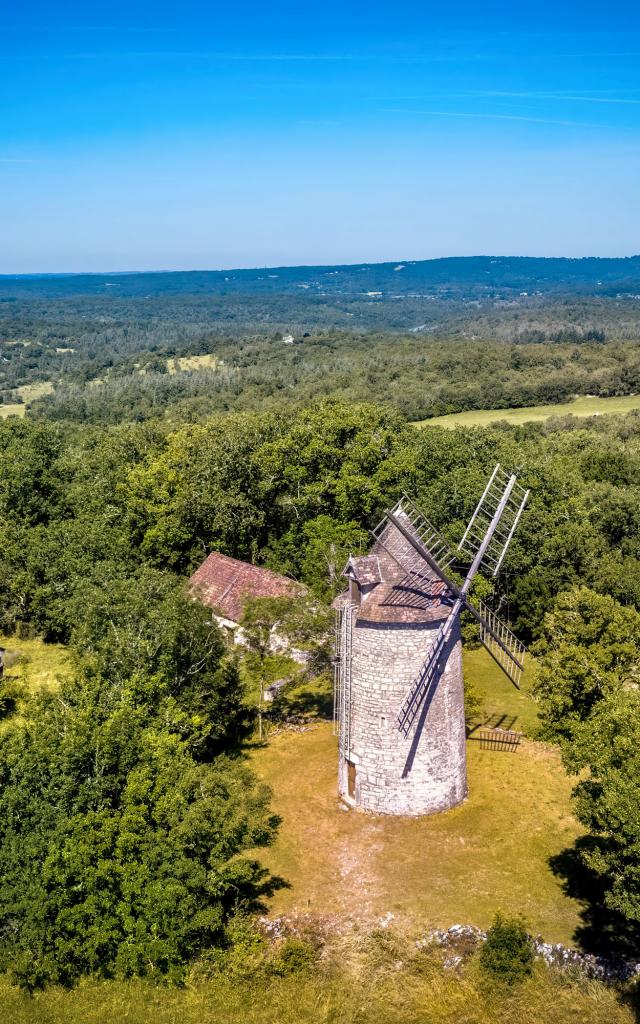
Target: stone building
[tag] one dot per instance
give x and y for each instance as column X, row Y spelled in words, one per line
column 225, row 584
column 387, row 622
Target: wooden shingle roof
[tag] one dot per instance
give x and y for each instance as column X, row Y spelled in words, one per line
column 225, row 583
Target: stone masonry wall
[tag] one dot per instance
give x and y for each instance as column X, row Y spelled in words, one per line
column 424, row 772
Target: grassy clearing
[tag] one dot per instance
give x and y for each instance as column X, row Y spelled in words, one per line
column 12, row 409
column 204, row 362
column 28, row 393
column 588, row 405
column 498, row 696
column 33, row 663
column 491, row 852
column 456, row 867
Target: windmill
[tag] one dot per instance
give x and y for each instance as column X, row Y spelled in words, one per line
column 399, row 701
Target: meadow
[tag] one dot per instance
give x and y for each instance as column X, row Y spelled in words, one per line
column 492, row 852
column 586, row 405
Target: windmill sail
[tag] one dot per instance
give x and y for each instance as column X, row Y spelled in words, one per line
column 411, row 520
column 502, row 494
column 501, row 643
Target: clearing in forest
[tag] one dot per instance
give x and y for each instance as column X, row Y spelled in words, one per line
column 588, row 405
column 28, row 393
column 492, row 852
column 457, row 867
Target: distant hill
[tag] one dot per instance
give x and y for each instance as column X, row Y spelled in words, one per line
column 454, row 277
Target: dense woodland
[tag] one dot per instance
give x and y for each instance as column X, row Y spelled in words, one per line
column 128, row 816
column 187, row 357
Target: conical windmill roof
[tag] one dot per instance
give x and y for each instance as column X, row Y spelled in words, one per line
column 390, row 594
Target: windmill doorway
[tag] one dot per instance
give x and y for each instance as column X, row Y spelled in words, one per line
column 351, row 780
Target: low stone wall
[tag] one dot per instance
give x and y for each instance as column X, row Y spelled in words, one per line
column 462, row 939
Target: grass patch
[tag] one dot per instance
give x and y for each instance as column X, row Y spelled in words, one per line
column 12, row 409
column 28, row 393
column 204, row 362
column 499, row 697
column 490, row 853
column 588, row 405
column 37, row 664
column 377, row 988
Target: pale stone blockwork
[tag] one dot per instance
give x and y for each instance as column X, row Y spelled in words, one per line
column 424, row 772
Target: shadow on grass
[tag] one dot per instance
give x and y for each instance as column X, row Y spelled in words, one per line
column 497, row 721
column 304, row 703
column 603, row 931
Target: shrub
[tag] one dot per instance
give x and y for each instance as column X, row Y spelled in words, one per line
column 507, row 955
column 294, row 955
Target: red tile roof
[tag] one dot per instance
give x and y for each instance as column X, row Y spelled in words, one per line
column 225, row 583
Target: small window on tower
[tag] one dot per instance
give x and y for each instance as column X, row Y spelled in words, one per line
column 383, row 721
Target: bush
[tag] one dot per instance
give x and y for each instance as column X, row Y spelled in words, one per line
column 507, row 955
column 294, row 955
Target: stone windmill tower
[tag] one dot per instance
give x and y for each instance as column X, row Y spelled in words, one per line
column 399, row 701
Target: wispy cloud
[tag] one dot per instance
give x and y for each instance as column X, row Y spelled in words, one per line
column 29, row 160
column 254, row 58
column 578, row 96
column 493, row 117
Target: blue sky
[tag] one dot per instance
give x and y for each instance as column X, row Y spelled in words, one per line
column 160, row 136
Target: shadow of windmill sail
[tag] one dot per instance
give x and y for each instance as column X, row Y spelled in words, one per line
column 399, row 692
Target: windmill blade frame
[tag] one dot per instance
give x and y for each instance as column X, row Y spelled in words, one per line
column 501, row 643
column 440, row 551
column 502, row 489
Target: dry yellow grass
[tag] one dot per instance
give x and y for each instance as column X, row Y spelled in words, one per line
column 34, row 663
column 204, row 362
column 380, row 993
column 28, row 393
column 459, row 867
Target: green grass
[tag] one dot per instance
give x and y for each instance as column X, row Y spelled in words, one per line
column 33, row 663
column 381, row 990
column 588, row 405
column 459, row 867
column 498, row 696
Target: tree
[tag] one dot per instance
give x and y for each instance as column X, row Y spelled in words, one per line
column 606, row 746
column 260, row 617
column 124, row 805
column 147, row 627
column 587, row 687
column 589, row 648
column 328, row 546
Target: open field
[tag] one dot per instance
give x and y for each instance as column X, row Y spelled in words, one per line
column 33, row 663
column 490, row 853
column 588, row 405
column 207, row 361
column 28, row 393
